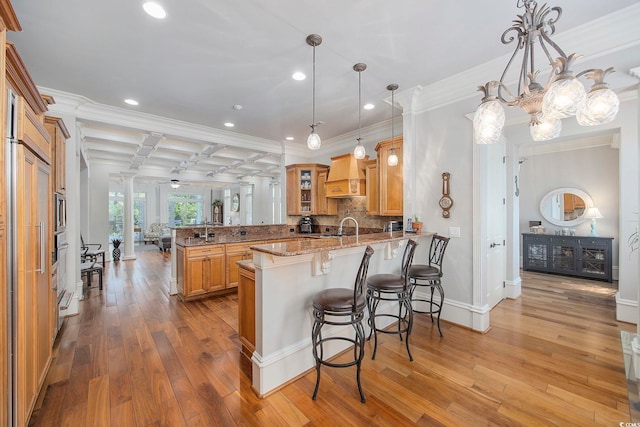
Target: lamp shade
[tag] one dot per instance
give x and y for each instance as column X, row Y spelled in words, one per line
column 593, row 213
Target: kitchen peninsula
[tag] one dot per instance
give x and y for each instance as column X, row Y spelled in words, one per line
column 276, row 289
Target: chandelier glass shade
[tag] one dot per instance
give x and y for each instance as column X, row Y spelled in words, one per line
column 562, row 96
column 359, row 152
column 392, row 160
column 175, row 184
column 313, row 141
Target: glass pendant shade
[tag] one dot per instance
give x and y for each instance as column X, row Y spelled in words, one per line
column 600, row 107
column 393, row 158
column 547, row 128
column 314, row 142
column 359, row 152
column 564, row 98
column 488, row 122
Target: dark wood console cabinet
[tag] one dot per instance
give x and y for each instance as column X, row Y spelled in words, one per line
column 581, row 256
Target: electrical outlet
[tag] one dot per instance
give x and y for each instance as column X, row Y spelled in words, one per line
column 454, row 231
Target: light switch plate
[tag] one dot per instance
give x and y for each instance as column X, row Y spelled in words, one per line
column 454, row 231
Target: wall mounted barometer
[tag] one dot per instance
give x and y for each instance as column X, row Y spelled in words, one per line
column 445, row 201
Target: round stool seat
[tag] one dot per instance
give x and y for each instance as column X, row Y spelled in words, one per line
column 389, row 282
column 338, row 300
column 424, row 272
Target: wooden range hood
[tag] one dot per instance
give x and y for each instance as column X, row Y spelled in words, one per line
column 346, row 177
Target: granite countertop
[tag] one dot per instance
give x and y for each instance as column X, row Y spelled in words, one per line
column 318, row 243
column 223, row 240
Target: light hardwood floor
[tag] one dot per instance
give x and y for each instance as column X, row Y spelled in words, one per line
column 135, row 356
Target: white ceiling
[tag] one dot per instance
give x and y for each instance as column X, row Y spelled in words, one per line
column 208, row 55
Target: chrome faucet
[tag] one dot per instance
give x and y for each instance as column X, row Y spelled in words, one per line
column 342, row 222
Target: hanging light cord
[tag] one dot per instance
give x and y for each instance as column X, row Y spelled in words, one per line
column 392, row 111
column 359, row 104
column 313, row 104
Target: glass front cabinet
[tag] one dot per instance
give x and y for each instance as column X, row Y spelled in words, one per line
column 588, row 257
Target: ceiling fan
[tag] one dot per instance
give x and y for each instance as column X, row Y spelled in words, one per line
column 175, row 183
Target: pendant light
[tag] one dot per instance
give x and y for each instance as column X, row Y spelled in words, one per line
column 359, row 152
column 393, row 157
column 314, row 142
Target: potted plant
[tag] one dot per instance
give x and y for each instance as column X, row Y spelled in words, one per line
column 417, row 224
column 116, row 248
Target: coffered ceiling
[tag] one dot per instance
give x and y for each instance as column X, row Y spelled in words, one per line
column 189, row 70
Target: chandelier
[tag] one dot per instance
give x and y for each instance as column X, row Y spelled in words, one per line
column 563, row 95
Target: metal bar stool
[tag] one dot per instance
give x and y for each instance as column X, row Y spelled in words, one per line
column 346, row 307
column 392, row 287
column 430, row 275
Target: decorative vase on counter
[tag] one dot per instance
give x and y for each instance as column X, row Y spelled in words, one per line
column 116, row 249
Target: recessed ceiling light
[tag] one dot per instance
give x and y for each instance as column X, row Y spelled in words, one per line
column 237, row 107
column 229, row 124
column 369, row 106
column 154, row 9
column 289, row 138
column 298, row 76
column 131, row 101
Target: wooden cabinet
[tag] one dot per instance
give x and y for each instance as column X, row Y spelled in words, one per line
column 581, row 256
column 32, row 245
column 59, row 135
column 303, row 188
column 247, row 309
column 390, row 178
column 372, row 188
column 237, row 252
column 324, row 205
column 201, row 271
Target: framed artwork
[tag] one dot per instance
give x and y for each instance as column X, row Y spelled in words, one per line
column 235, row 202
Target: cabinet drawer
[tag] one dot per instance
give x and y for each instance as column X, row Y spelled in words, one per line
column 241, row 247
column 205, row 250
column 563, row 240
column 595, row 241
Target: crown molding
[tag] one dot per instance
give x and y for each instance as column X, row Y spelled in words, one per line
column 86, row 110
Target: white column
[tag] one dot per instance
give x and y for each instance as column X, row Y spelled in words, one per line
column 129, row 252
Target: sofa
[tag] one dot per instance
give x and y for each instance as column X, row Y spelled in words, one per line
column 153, row 233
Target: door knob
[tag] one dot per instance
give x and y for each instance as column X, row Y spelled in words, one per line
column 493, row 245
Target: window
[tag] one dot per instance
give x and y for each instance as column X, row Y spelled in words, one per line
column 185, row 209
column 116, row 212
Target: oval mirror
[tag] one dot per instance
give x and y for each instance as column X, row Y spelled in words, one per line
column 565, row 207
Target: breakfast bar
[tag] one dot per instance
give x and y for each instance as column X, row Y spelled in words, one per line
column 276, row 288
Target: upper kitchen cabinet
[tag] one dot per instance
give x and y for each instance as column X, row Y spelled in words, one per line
column 373, row 192
column 324, row 205
column 303, row 186
column 390, row 178
column 59, row 135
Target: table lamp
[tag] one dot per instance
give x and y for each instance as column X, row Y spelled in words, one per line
column 593, row 213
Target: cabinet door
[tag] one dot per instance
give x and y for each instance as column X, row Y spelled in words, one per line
column 391, row 181
column 247, row 311
column 216, row 273
column 293, row 193
column 594, row 258
column 195, row 276
column 563, row 256
column 324, row 205
column 233, row 275
column 373, row 192
column 535, row 254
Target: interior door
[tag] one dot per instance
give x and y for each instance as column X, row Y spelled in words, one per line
column 496, row 225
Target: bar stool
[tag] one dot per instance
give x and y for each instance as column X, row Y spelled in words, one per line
column 392, row 287
column 430, row 275
column 346, row 307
